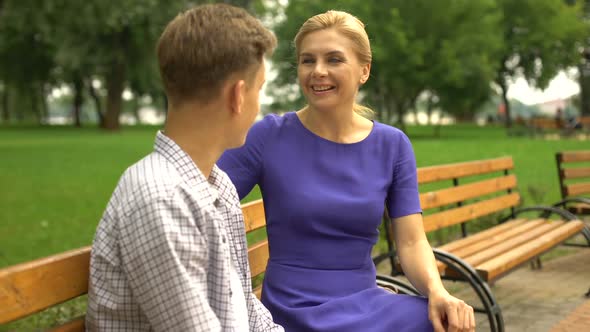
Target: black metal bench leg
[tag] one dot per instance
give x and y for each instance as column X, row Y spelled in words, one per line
column 481, row 288
column 586, row 233
column 536, row 263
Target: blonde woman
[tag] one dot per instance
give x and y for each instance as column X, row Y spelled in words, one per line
column 326, row 172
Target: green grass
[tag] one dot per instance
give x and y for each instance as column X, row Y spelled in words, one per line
column 56, row 181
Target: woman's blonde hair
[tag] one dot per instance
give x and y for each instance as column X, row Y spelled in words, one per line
column 350, row 27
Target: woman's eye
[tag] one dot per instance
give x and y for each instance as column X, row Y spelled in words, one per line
column 304, row 61
column 334, row 60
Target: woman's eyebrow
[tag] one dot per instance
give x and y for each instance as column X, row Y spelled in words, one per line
column 325, row 54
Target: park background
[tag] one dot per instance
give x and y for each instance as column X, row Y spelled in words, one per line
column 81, row 98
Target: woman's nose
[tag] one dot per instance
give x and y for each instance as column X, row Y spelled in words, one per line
column 319, row 70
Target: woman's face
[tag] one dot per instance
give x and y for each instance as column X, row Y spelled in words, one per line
column 328, row 71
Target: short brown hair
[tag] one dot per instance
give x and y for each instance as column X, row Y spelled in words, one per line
column 203, row 46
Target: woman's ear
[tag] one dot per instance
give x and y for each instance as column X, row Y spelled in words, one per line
column 365, row 73
column 237, row 91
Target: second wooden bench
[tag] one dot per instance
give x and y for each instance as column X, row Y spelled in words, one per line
column 462, row 194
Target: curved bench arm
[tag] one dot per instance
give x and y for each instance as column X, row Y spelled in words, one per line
column 481, row 288
column 397, row 285
column 547, row 211
column 565, row 201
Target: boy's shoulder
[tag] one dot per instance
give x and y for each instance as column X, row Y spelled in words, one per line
column 151, row 178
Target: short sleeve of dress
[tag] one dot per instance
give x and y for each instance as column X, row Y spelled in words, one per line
column 244, row 165
column 403, row 197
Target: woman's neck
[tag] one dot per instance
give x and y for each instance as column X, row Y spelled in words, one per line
column 341, row 126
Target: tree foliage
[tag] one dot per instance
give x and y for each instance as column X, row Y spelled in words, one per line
column 415, row 49
column 452, row 52
column 541, row 37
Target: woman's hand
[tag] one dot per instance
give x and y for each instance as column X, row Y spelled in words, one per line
column 448, row 313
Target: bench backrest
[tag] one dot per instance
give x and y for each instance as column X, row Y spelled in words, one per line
column 584, row 121
column 546, row 123
column 456, row 193
column 574, row 173
column 30, row 287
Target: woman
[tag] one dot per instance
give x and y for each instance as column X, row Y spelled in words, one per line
column 326, row 173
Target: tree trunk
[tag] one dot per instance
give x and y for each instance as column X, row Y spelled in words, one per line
column 78, row 100
column 97, row 104
column 135, row 110
column 44, row 105
column 115, row 83
column 5, row 112
column 400, row 110
column 34, row 97
column 429, row 103
column 18, row 105
column 504, row 87
column 115, row 80
column 584, row 81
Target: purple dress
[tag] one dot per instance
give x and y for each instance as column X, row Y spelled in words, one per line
column 324, row 202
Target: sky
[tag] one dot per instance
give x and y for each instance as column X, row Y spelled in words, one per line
column 562, row 86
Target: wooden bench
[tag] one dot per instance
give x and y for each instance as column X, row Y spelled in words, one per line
column 583, row 122
column 28, row 288
column 462, row 193
column 541, row 126
column 573, row 168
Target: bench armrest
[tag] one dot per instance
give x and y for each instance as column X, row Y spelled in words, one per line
column 546, row 212
column 565, row 201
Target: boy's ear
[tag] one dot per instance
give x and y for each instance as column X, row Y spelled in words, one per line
column 237, row 92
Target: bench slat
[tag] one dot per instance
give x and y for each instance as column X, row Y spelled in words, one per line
column 512, row 243
column 575, row 173
column 576, row 189
column 573, row 156
column 258, row 258
column 254, row 215
column 463, row 192
column 468, row 212
column 31, row 287
column 496, row 266
column 481, row 235
column 497, row 239
column 450, row 171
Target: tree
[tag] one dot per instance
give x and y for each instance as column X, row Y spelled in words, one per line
column 415, row 49
column 109, row 40
column 584, row 64
column 27, row 58
column 541, row 37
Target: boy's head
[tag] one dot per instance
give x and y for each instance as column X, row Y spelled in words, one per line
column 202, row 47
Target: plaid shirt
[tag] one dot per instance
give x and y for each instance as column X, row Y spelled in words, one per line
column 162, row 252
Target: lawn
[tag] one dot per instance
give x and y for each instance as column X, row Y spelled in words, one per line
column 56, row 181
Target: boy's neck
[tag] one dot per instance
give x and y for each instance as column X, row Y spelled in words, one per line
column 199, row 133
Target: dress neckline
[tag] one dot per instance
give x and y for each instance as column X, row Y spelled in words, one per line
column 301, row 126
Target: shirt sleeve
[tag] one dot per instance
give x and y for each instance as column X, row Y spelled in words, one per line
column 244, row 165
column 403, row 197
column 164, row 255
column 260, row 318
